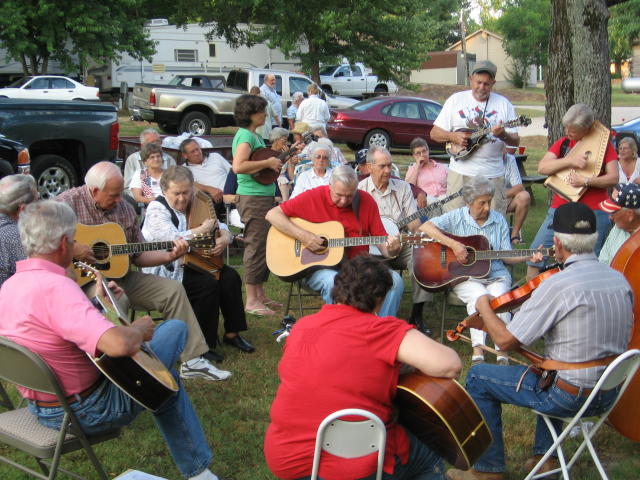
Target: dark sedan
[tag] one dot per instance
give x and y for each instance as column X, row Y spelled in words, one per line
column 384, row 121
column 627, row 129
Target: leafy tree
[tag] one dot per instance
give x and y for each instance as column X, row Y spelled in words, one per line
column 624, row 28
column 391, row 36
column 34, row 32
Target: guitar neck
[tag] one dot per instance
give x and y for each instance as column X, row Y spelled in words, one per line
column 498, row 254
column 355, row 241
column 426, row 211
column 484, row 131
column 133, row 248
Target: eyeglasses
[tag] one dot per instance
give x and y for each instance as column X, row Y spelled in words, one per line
column 421, row 153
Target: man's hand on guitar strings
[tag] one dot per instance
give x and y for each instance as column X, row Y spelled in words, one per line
column 313, row 242
column 180, row 247
column 83, row 253
column 145, row 326
column 460, row 138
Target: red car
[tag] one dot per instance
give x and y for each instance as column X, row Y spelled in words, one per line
column 384, row 121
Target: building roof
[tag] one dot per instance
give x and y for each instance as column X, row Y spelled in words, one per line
column 474, row 34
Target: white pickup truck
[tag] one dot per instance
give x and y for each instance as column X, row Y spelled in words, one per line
column 353, row 81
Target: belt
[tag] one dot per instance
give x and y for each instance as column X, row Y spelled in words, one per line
column 71, row 398
column 572, row 389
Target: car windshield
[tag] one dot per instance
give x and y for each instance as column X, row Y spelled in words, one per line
column 367, row 104
column 20, row 82
column 327, row 70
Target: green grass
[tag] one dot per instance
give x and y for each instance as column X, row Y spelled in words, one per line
column 529, row 112
column 235, row 413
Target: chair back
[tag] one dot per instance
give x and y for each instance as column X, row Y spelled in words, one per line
column 350, row 439
column 620, row 372
column 21, row 366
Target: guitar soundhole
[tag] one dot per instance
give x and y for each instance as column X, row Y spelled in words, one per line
column 471, row 257
column 100, row 251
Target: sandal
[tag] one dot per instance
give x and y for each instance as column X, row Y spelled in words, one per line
column 516, row 239
column 260, row 312
column 273, row 303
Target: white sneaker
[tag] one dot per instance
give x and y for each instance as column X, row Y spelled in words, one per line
column 200, row 367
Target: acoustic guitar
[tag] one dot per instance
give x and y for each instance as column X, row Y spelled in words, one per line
column 435, row 266
column 108, row 243
column 479, row 137
column 143, row 376
column 440, row 412
column 267, row 176
column 289, row 259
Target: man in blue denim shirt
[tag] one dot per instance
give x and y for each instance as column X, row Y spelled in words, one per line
column 586, row 292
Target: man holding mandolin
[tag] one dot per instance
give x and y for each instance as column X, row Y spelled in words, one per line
column 586, row 292
column 47, row 312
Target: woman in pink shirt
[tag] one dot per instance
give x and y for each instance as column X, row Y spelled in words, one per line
column 426, row 173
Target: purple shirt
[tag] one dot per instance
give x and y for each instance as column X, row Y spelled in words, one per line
column 47, row 312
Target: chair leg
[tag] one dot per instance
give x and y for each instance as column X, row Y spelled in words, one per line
column 300, row 307
column 287, row 305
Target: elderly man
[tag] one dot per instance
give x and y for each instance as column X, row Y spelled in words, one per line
column 395, row 202
column 296, row 100
column 313, row 110
column 100, row 201
column 16, row 192
column 624, row 210
column 356, row 211
column 210, row 173
column 268, row 91
column 471, row 110
column 47, row 312
column 585, row 292
column 135, row 163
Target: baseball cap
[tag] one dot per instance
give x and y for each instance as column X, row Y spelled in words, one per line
column 573, row 217
column 361, row 156
column 300, row 127
column 628, row 197
column 485, row 66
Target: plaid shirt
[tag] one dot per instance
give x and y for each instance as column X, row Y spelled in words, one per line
column 88, row 213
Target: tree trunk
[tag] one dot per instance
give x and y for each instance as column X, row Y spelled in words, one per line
column 25, row 66
column 578, row 61
column 315, row 65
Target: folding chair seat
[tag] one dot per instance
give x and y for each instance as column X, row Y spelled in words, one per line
column 301, row 291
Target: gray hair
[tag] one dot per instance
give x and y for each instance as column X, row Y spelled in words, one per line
column 148, row 131
column 315, row 146
column 577, row 242
column 98, row 175
column 42, row 224
column 296, row 96
column 278, row 133
column 175, row 174
column 631, row 142
column 580, row 116
column 477, row 187
column 345, row 175
column 375, row 149
column 16, row 190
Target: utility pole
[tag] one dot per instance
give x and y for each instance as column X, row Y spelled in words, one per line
column 463, row 34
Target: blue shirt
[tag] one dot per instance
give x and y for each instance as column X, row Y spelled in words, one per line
column 495, row 229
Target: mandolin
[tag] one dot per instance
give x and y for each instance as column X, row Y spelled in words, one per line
column 268, row 175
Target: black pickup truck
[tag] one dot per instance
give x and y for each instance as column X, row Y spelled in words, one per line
column 64, row 139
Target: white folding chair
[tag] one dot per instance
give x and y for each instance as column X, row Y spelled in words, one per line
column 350, row 439
column 619, row 372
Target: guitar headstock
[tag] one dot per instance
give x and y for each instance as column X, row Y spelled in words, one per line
column 202, row 240
column 524, row 121
column 308, row 137
column 87, row 270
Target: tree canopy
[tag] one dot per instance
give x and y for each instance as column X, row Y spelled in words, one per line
column 36, row 32
column 624, row 27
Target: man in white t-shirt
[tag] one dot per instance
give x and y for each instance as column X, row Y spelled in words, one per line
column 474, row 109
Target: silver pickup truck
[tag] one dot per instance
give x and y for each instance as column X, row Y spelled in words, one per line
column 196, row 110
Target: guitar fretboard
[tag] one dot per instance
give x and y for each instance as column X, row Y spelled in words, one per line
column 498, row 254
column 132, row 248
column 355, row 241
column 427, row 210
column 511, row 123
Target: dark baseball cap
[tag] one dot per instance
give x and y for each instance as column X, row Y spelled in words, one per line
column 628, row 197
column 573, row 217
column 361, row 156
column 485, row 66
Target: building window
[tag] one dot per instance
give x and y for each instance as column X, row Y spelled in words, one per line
column 185, row 55
column 212, row 49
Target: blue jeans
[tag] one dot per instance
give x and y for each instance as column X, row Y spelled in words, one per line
column 108, row 408
column 423, row 464
column 544, row 236
column 322, row 281
column 492, row 385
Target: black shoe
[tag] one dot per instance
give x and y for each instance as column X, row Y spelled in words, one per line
column 426, row 330
column 239, row 342
column 213, row 356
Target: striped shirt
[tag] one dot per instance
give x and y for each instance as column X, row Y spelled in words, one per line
column 495, row 229
column 612, row 244
column 511, row 173
column 582, row 313
column 396, row 202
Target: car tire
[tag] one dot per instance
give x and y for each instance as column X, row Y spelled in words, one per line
column 196, row 123
column 378, row 138
column 168, row 128
column 354, row 146
column 5, row 168
column 78, row 99
column 54, row 175
column 381, row 90
column 327, row 89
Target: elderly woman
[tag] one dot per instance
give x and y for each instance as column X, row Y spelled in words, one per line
column 426, row 173
column 358, row 357
column 254, row 200
column 165, row 220
column 577, row 122
column 145, row 183
column 476, row 218
column 629, row 167
column 319, row 173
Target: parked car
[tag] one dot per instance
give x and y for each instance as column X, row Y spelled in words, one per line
column 627, row 129
column 49, row 87
column 14, row 157
column 64, row 138
column 353, row 81
column 385, row 121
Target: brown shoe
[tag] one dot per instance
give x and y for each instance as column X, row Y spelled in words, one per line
column 455, row 474
column 551, row 464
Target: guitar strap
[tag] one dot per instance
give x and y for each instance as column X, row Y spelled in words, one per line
column 355, row 206
column 174, row 217
column 564, row 148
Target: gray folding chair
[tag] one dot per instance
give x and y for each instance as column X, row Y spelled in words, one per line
column 19, row 428
column 350, row 439
column 619, row 373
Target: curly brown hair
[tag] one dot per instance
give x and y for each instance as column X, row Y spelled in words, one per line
column 247, row 105
column 361, row 283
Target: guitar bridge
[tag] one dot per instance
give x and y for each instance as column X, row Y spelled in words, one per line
column 297, row 247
